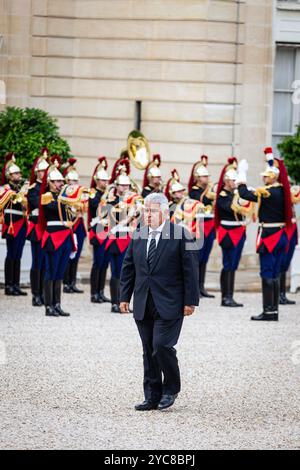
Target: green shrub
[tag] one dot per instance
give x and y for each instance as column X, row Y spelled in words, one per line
column 290, row 151
column 25, row 132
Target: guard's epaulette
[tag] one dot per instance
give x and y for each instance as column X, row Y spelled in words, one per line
column 92, row 193
column 47, row 198
column 32, row 186
column 223, row 194
column 262, row 192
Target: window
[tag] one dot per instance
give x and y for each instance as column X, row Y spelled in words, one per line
column 285, row 114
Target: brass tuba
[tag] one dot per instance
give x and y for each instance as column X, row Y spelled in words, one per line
column 138, row 150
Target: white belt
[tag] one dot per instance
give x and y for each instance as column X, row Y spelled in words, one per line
column 94, row 221
column 57, row 223
column 233, row 223
column 13, row 211
column 119, row 229
column 204, row 216
column 294, row 220
column 271, row 225
column 35, row 212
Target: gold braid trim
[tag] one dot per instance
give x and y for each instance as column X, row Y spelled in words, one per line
column 47, row 198
column 239, row 209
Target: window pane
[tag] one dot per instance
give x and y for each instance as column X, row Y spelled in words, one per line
column 282, row 113
column 284, row 68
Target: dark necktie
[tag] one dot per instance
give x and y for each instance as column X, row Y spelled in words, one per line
column 152, row 248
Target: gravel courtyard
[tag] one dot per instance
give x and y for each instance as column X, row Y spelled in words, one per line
column 70, row 383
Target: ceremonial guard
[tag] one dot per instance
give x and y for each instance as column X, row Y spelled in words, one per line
column 275, row 215
column 55, row 220
column 98, row 229
column 292, row 234
column 123, row 208
column 291, row 229
column 201, row 189
column 183, row 210
column 230, row 226
column 34, row 234
column 14, row 225
column 152, row 177
column 79, row 230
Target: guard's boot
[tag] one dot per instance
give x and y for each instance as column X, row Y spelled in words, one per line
column 94, row 280
column 9, row 276
column 48, row 300
column 223, row 286
column 42, row 279
column 114, row 292
column 17, row 273
column 57, row 299
column 203, row 291
column 67, row 280
column 229, row 300
column 270, row 312
column 73, row 277
column 35, row 287
column 102, row 279
column 283, row 300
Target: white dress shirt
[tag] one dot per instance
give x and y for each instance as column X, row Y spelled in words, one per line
column 157, row 236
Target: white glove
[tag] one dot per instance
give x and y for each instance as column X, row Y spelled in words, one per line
column 242, row 172
column 243, row 166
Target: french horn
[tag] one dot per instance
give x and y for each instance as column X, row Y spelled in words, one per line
column 138, row 150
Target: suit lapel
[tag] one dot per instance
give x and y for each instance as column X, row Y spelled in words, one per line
column 162, row 243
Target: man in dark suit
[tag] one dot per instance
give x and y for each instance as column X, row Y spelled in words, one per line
column 161, row 270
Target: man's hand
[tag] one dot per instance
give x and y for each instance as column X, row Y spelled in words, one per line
column 124, row 307
column 188, row 310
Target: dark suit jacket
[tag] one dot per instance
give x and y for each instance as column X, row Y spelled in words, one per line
column 173, row 279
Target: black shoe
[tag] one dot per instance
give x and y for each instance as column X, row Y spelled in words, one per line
column 37, row 301
column 228, row 302
column 60, row 311
column 57, row 299
column 51, row 312
column 204, row 293
column 265, row 317
column 167, row 401
column 95, row 299
column 67, row 289
column 18, row 291
column 147, row 405
column 283, row 300
column 115, row 308
column 9, row 290
column 103, row 297
column 75, row 289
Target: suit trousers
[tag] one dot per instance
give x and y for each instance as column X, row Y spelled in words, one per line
column 159, row 336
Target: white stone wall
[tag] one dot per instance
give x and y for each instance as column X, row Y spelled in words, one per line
column 202, row 68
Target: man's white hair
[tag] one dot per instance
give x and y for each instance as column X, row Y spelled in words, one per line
column 157, row 198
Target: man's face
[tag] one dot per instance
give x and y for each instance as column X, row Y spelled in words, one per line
column 203, row 180
column 153, row 215
column 269, row 180
column 40, row 175
column 16, row 177
column 56, row 185
column 230, row 184
column 101, row 184
column 156, row 181
column 73, row 182
column 122, row 189
column 178, row 195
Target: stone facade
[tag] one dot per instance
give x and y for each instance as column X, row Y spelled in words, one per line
column 202, row 69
